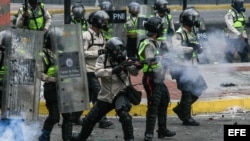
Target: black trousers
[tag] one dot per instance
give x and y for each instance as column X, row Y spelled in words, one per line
column 158, row 99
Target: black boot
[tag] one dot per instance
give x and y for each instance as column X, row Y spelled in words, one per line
column 67, row 128
column 162, row 127
column 178, row 111
column 76, row 137
column 162, row 133
column 186, row 106
column 45, row 136
column 190, row 122
column 150, row 124
column 105, row 123
column 84, row 133
column 76, row 118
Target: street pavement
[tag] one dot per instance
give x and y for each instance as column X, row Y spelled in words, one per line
column 211, row 128
column 226, row 101
column 219, row 96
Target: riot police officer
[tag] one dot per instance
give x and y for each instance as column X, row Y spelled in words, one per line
column 200, row 32
column 113, row 77
column 153, row 81
column 162, row 11
column 188, row 79
column 107, row 6
column 78, row 15
column 50, row 92
column 133, row 34
column 93, row 45
column 34, row 17
column 236, row 34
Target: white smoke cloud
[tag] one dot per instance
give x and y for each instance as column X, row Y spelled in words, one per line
column 18, row 130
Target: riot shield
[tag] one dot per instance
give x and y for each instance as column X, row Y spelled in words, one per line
column 71, row 75
column 145, row 12
column 23, row 66
column 119, row 17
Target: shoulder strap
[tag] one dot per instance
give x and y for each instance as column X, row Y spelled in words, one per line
column 42, row 7
column 49, row 61
column 92, row 40
column 183, row 36
column 236, row 15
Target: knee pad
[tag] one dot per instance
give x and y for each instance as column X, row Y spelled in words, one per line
column 124, row 116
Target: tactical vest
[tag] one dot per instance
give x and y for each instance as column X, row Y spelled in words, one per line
column 166, row 27
column 132, row 27
column 142, row 46
column 239, row 20
column 36, row 20
column 187, row 38
column 49, row 61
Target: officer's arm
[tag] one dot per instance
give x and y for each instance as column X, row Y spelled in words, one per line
column 178, row 47
column 149, row 55
column 229, row 22
column 88, row 52
column 100, row 71
column 47, row 18
column 172, row 24
column 47, row 78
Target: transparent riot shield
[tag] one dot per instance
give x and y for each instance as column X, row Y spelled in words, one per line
column 23, row 66
column 119, row 17
column 71, row 75
column 145, row 12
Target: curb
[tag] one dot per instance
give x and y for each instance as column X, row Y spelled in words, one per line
column 202, row 106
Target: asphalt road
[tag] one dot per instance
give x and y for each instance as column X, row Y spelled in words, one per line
column 211, row 128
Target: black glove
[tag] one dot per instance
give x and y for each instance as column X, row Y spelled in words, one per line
column 117, row 69
column 196, row 47
column 101, row 51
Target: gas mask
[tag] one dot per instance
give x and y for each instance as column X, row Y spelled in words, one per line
column 197, row 24
column 118, row 56
column 238, row 6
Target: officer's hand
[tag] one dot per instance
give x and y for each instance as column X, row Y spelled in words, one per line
column 117, row 69
column 101, row 51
